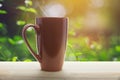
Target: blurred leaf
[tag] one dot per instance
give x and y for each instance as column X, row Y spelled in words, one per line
column 14, row 59
column 17, row 38
column 23, row 8
column 3, row 12
column 27, row 60
column 31, row 10
column 20, row 22
column 78, row 53
column 11, row 41
column 1, row 25
column 117, row 48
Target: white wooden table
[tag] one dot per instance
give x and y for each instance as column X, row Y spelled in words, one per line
column 71, row 71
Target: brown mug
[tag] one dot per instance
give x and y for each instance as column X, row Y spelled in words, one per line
column 51, row 40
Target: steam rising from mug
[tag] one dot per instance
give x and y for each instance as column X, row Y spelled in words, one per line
column 54, row 10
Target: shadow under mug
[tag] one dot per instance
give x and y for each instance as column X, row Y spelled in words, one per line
column 51, row 41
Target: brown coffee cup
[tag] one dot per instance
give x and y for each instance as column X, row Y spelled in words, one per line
column 51, row 40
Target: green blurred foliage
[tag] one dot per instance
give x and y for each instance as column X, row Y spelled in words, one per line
column 3, row 12
column 26, row 9
column 80, row 47
column 20, row 22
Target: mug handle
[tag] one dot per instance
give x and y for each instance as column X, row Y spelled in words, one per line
column 37, row 29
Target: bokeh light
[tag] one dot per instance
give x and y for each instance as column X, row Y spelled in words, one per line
column 1, row 5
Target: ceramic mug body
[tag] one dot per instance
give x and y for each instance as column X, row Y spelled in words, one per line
column 51, row 41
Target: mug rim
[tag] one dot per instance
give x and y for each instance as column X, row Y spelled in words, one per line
column 51, row 17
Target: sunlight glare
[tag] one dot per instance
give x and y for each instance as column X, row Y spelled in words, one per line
column 92, row 20
column 97, row 3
